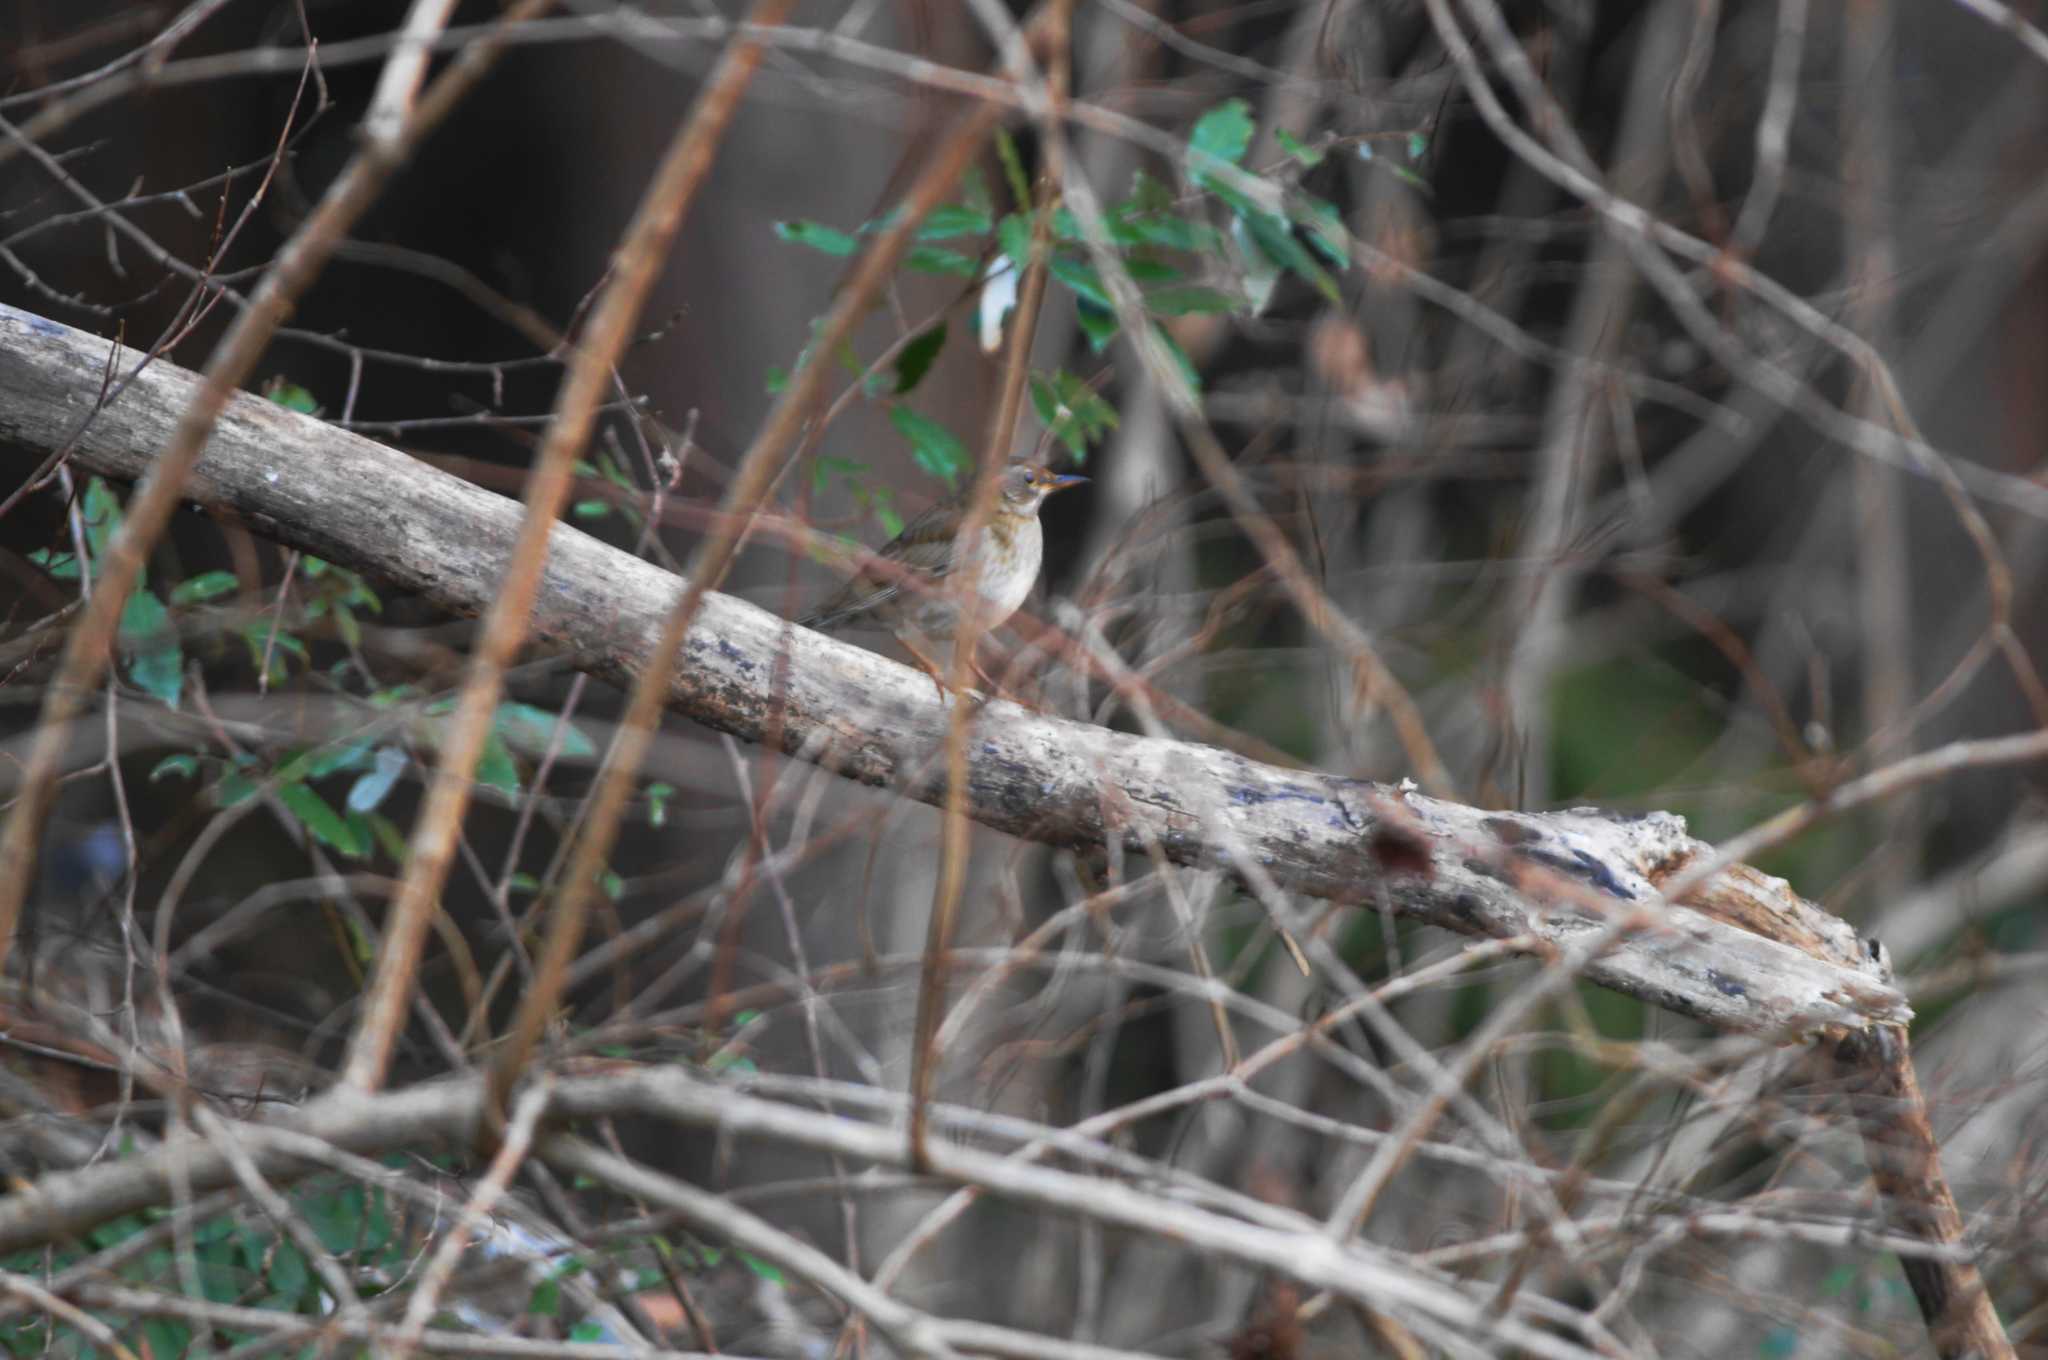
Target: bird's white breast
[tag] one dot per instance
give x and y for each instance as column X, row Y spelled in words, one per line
column 1009, row 565
column 1007, row 576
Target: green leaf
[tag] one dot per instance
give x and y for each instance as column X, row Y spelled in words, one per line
column 1149, row 217
column 658, row 795
column 546, row 1300
column 115, row 1231
column 288, row 1273
column 346, row 625
column 361, row 829
column 61, row 566
column 334, row 1218
column 955, row 219
column 591, row 509
column 818, row 237
column 1401, row 172
column 1080, row 276
column 974, row 191
column 185, row 767
column 1044, row 400
column 1013, row 169
column 614, row 472
column 234, row 787
column 915, row 359
column 1148, row 195
column 378, row 1234
column 614, row 887
column 165, row 1337
column 143, row 618
column 389, row 838
column 1224, row 132
column 1307, row 155
column 1072, row 411
column 1097, row 323
column 1275, row 240
column 256, row 636
column 529, row 730
column 1175, row 233
column 1325, row 228
column 1191, row 298
column 496, row 769
column 296, row 767
column 1151, row 271
column 337, row 756
column 205, row 586
column 1180, row 359
column 1417, row 144
column 211, row 1231
column 588, row 1331
column 885, row 511
column 825, row 465
column 764, row 1269
column 321, row 821
column 939, row 260
column 934, row 446
column 291, row 396
column 1013, row 234
column 777, row 381
column 157, row 665
column 254, row 1246
column 102, row 515
column 523, row 882
column 221, row 1276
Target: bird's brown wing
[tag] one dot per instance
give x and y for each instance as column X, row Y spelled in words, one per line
column 924, row 549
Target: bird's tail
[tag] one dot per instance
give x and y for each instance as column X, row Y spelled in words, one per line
column 827, row 616
column 857, row 599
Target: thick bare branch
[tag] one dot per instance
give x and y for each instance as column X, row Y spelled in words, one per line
column 1557, row 878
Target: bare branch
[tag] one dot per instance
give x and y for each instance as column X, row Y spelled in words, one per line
column 1554, row 877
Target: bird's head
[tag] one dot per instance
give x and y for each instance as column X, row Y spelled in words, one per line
column 1026, row 485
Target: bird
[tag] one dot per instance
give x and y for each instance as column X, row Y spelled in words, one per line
column 903, row 589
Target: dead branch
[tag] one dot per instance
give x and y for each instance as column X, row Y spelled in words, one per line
column 1743, row 954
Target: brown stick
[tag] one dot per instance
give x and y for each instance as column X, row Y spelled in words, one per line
column 755, row 477
column 1054, row 24
column 1905, row 1165
column 637, row 264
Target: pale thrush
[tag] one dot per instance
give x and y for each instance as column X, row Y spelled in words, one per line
column 905, row 589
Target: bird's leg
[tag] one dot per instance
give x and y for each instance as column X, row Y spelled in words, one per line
column 925, row 663
column 995, row 687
